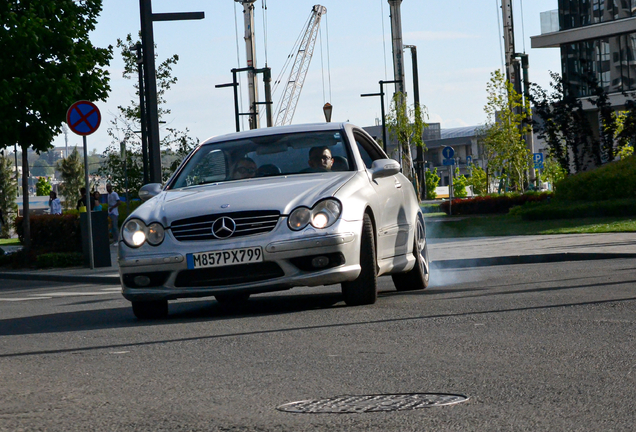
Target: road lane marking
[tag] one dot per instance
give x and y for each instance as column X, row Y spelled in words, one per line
column 48, row 296
column 24, row 299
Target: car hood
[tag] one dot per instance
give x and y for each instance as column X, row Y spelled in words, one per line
column 272, row 193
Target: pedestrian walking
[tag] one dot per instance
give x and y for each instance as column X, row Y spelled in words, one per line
column 54, row 204
column 113, row 213
column 1, row 221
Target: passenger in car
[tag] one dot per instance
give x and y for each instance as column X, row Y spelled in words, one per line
column 244, row 168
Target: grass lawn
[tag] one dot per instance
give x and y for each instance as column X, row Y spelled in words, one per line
column 10, row 242
column 442, row 226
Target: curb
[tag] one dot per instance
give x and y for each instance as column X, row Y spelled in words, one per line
column 527, row 259
column 98, row 280
column 436, row 265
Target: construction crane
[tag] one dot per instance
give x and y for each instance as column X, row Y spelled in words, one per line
column 289, row 100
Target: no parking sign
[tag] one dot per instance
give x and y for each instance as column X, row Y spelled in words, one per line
column 83, row 118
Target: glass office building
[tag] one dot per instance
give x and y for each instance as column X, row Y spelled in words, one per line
column 598, row 44
column 579, row 13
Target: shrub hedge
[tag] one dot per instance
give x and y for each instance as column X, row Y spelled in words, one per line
column 64, row 259
column 492, row 204
column 52, row 233
column 616, row 180
column 575, row 209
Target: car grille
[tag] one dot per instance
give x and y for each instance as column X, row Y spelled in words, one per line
column 227, row 276
column 247, row 223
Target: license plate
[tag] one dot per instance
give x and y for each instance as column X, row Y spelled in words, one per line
column 225, row 257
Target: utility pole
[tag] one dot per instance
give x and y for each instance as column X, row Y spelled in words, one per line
column 252, row 82
column 65, row 130
column 150, row 78
column 419, row 156
column 142, row 112
column 398, row 48
column 513, row 71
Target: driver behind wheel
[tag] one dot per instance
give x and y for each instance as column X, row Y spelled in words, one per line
column 320, row 157
column 245, row 168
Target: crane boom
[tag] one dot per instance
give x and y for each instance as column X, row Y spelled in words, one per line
column 289, row 100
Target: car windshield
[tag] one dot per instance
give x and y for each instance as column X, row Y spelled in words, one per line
column 266, row 156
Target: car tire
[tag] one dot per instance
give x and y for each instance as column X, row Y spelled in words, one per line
column 150, row 310
column 417, row 278
column 364, row 289
column 232, row 299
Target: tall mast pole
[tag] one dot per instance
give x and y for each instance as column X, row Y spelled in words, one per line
column 398, row 48
column 509, row 41
column 252, row 83
column 513, row 69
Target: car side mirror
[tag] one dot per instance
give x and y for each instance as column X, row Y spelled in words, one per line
column 384, row 168
column 149, row 191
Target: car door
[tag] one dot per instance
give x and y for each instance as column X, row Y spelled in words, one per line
column 391, row 222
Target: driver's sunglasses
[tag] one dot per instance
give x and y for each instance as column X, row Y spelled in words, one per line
column 245, row 170
column 323, row 157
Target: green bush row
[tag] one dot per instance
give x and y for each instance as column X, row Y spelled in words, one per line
column 616, row 180
column 68, row 259
column 52, row 233
column 491, row 204
column 575, row 209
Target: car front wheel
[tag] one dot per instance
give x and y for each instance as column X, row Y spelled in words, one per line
column 364, row 289
column 417, row 278
column 150, row 310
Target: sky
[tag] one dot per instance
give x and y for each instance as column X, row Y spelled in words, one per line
column 459, row 44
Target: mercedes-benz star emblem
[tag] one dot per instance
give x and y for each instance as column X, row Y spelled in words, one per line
column 223, row 227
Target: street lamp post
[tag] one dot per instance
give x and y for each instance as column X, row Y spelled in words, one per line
column 148, row 50
column 381, row 94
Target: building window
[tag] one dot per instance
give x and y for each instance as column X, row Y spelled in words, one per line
column 611, row 62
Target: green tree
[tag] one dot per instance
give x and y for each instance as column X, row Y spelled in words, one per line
column 42, row 168
column 8, row 193
column 625, row 152
column 432, row 180
column 47, row 62
column 478, row 180
column 72, row 171
column 42, row 187
column 459, row 185
column 406, row 125
column 553, row 171
column 505, row 130
column 127, row 167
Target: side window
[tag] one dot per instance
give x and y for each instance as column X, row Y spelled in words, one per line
column 367, row 151
column 365, row 155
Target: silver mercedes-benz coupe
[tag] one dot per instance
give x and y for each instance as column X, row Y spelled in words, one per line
column 272, row 209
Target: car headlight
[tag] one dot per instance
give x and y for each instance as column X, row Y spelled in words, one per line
column 299, row 218
column 324, row 214
column 155, row 234
column 135, row 233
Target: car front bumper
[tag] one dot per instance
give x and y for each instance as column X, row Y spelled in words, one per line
column 161, row 272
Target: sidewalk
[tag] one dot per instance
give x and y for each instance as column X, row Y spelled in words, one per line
column 444, row 254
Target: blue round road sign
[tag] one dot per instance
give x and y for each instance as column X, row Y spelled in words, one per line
column 83, row 117
column 448, row 152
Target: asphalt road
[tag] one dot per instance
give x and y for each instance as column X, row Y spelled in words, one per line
column 547, row 347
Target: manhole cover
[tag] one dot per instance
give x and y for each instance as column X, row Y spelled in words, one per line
column 372, row 403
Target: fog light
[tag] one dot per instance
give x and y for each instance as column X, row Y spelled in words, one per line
column 320, row 262
column 142, row 281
